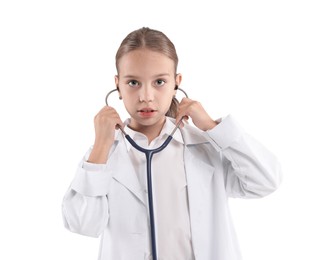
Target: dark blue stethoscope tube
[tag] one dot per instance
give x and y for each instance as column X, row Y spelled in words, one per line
column 149, row 155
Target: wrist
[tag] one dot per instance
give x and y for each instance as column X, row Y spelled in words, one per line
column 211, row 125
column 100, row 152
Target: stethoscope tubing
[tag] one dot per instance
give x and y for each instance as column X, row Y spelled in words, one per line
column 149, row 155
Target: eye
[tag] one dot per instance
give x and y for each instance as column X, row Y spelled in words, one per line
column 133, row 83
column 160, row 82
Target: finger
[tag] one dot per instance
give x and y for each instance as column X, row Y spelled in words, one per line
column 184, row 100
column 181, row 121
column 119, row 124
column 185, row 118
column 106, row 108
column 118, row 121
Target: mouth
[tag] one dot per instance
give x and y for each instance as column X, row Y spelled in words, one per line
column 147, row 112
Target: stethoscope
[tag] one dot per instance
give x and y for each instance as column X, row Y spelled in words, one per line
column 149, row 155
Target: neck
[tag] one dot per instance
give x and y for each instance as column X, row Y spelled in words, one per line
column 150, row 131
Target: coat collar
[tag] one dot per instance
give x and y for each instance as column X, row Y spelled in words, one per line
column 165, row 132
column 198, row 173
column 190, row 135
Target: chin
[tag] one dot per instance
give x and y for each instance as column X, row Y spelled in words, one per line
column 149, row 121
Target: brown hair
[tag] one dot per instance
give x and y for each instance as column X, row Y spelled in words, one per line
column 153, row 40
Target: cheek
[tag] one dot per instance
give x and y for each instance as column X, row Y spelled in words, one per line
column 129, row 101
column 129, row 96
column 128, row 107
column 166, row 101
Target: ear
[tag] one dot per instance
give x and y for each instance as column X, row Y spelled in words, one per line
column 178, row 79
column 116, row 81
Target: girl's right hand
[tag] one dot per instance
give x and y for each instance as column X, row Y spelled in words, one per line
column 105, row 123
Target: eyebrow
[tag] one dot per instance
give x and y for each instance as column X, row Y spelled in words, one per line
column 155, row 76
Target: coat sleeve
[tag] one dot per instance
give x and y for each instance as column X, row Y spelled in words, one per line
column 250, row 169
column 85, row 204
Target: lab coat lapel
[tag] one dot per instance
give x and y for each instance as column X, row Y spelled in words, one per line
column 199, row 176
column 125, row 173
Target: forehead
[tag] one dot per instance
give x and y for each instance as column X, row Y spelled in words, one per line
column 145, row 61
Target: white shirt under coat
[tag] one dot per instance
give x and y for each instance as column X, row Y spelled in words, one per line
column 108, row 200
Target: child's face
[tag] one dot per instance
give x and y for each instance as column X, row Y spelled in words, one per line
column 146, row 82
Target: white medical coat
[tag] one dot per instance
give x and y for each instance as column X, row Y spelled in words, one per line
column 108, row 201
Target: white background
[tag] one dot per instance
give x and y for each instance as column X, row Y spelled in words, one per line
column 261, row 61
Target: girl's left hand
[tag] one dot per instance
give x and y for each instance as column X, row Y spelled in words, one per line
column 193, row 109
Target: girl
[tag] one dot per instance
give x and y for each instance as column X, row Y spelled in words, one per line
column 192, row 178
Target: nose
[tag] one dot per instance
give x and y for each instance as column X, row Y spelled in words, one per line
column 146, row 94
